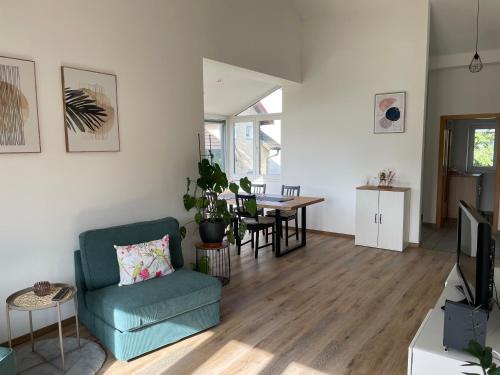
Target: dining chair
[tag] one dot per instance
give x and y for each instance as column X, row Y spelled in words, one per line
column 258, row 188
column 286, row 216
column 254, row 223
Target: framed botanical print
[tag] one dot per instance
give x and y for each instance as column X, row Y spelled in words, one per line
column 19, row 129
column 90, row 110
column 390, row 112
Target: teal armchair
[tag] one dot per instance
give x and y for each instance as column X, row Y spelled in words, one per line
column 135, row 319
column 7, row 361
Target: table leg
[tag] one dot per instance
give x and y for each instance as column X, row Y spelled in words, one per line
column 277, row 237
column 31, row 332
column 9, row 335
column 303, row 230
column 60, row 334
column 304, row 226
column 77, row 322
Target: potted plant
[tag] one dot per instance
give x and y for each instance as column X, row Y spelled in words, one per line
column 212, row 213
column 485, row 359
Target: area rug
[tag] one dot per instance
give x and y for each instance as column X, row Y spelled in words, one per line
column 46, row 359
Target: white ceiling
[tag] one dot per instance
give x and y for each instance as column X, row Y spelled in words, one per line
column 227, row 90
column 453, row 26
column 452, row 22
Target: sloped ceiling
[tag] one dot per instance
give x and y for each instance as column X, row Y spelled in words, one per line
column 452, row 21
column 227, row 90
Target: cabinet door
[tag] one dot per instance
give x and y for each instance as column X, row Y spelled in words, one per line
column 367, row 217
column 391, row 220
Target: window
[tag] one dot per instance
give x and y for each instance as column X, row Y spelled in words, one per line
column 243, row 148
column 482, row 150
column 214, row 140
column 256, row 138
column 270, row 147
column 272, row 103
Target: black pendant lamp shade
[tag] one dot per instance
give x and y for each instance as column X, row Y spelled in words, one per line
column 476, row 65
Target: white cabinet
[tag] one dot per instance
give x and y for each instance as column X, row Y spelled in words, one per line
column 426, row 354
column 382, row 217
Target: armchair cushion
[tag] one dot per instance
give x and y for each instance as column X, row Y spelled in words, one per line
column 132, row 307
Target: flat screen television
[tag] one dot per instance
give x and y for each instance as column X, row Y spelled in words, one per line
column 475, row 256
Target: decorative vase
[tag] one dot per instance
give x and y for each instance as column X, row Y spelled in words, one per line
column 212, row 232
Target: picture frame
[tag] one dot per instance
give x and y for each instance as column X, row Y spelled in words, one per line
column 90, row 101
column 390, row 113
column 19, row 122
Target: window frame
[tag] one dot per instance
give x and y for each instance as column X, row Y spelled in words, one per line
column 255, row 119
column 224, row 122
column 470, row 149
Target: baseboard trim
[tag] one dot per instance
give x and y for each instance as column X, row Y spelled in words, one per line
column 39, row 332
column 413, row 244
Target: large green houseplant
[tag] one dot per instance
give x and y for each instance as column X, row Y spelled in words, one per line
column 212, row 212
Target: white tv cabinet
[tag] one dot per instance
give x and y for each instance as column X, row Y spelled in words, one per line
column 382, row 217
column 426, row 354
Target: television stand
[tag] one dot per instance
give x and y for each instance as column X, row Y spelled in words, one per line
column 426, row 354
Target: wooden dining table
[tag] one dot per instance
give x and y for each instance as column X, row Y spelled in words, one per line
column 282, row 203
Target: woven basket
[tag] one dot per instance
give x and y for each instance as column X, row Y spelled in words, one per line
column 42, row 288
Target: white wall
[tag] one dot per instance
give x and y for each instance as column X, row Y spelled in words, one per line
column 328, row 141
column 155, row 48
column 453, row 91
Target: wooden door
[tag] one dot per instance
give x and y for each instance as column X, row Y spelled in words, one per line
column 367, row 217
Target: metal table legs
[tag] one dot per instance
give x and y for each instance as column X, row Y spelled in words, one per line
column 303, row 230
column 59, row 324
column 7, row 315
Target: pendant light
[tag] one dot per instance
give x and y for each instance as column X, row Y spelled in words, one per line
column 476, row 65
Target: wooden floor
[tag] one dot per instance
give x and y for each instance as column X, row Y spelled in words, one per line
column 331, row 308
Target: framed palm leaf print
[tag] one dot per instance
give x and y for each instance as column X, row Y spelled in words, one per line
column 19, row 131
column 90, row 110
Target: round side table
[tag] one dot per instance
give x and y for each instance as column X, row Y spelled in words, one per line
column 27, row 300
column 215, row 260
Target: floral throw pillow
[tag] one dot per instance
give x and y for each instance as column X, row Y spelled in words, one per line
column 144, row 261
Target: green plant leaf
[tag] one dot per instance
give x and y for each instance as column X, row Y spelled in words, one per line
column 246, row 185
column 475, row 349
column 183, row 232
column 188, row 184
column 251, row 206
column 494, row 371
column 470, row 373
column 198, row 217
column 234, row 188
column 189, row 201
column 487, row 358
column 242, row 230
column 230, row 236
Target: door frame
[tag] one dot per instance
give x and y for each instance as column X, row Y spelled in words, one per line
column 440, row 167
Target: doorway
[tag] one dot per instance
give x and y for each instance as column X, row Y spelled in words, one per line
column 468, row 161
column 463, row 153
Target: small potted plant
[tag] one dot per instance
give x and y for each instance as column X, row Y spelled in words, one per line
column 212, row 212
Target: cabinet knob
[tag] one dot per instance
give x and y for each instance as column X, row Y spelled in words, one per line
column 375, row 219
column 380, row 219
